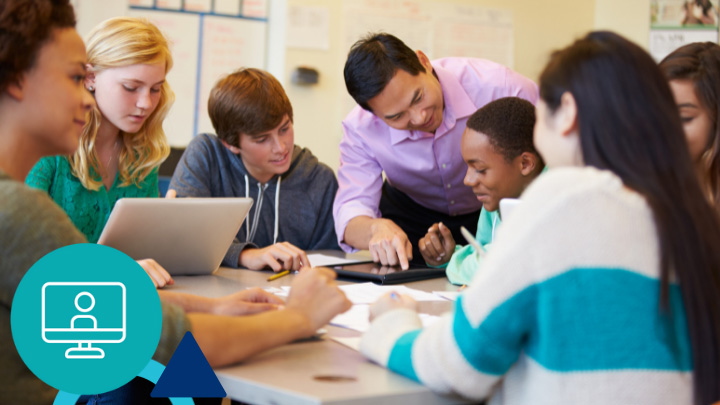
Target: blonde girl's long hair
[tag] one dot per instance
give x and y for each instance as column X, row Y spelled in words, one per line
column 118, row 42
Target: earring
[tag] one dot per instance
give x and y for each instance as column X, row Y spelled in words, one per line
column 91, row 88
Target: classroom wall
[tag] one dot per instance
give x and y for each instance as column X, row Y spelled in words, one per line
column 631, row 18
column 539, row 28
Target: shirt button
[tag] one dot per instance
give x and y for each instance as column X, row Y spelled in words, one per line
column 452, row 202
column 449, row 185
column 444, row 165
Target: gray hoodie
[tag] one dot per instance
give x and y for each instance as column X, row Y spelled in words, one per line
column 305, row 194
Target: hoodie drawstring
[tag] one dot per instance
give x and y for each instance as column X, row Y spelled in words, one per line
column 277, row 210
column 251, row 229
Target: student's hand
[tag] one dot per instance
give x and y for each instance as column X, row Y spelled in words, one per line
column 391, row 301
column 315, row 296
column 246, row 302
column 280, row 256
column 438, row 245
column 171, row 193
column 389, row 245
column 160, row 277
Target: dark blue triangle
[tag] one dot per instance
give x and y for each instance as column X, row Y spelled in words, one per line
column 188, row 374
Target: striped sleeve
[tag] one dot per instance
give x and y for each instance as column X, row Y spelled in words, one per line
column 457, row 354
column 567, row 304
column 399, row 328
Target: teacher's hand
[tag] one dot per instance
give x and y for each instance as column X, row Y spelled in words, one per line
column 389, row 245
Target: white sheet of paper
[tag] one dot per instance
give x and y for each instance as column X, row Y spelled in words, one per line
column 351, row 342
column 367, row 293
column 279, row 291
column 358, row 318
column 448, row 295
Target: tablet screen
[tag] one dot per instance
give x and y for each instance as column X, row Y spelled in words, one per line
column 371, row 268
column 387, row 274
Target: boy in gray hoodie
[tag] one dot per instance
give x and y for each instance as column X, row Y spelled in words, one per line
column 254, row 155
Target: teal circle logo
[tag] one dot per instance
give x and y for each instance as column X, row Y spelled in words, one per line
column 86, row 319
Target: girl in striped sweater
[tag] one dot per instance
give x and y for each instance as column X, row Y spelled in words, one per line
column 604, row 287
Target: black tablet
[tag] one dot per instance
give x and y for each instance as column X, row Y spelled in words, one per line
column 380, row 274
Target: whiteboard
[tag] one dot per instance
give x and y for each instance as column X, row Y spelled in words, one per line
column 204, row 47
column 227, row 44
column 439, row 29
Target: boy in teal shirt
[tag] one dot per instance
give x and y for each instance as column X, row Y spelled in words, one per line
column 497, row 146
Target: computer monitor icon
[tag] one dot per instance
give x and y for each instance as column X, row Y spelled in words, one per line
column 83, row 313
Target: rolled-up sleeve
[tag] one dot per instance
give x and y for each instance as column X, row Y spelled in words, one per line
column 359, row 183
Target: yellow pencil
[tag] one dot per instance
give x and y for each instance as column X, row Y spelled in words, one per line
column 277, row 276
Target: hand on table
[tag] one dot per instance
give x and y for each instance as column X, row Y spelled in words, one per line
column 246, row 302
column 159, row 276
column 391, row 301
column 389, row 245
column 315, row 296
column 438, row 245
column 280, row 256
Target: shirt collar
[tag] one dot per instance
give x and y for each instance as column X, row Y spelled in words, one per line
column 458, row 105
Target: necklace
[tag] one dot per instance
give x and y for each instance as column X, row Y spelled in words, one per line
column 112, row 154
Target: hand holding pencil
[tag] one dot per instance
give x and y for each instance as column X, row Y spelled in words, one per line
column 438, row 245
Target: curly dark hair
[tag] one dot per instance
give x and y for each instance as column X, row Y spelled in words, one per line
column 508, row 122
column 25, row 25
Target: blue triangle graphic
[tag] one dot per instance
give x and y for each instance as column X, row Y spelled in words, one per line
column 188, row 374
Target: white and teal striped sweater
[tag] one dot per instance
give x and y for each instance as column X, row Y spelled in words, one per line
column 564, row 311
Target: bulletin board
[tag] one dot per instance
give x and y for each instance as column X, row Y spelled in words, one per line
column 674, row 23
column 208, row 39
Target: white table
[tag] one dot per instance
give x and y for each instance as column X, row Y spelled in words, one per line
column 319, row 371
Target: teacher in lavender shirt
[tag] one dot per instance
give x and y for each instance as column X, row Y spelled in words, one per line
column 410, row 116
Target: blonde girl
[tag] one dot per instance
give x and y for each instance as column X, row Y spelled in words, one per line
column 123, row 142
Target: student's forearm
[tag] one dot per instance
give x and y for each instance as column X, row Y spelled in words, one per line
column 188, row 302
column 226, row 340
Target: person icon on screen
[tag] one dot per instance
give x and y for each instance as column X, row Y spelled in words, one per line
column 84, row 310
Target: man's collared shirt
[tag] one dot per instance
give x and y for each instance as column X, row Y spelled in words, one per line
column 428, row 167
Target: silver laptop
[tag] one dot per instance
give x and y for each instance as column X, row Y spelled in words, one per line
column 184, row 235
column 507, row 206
